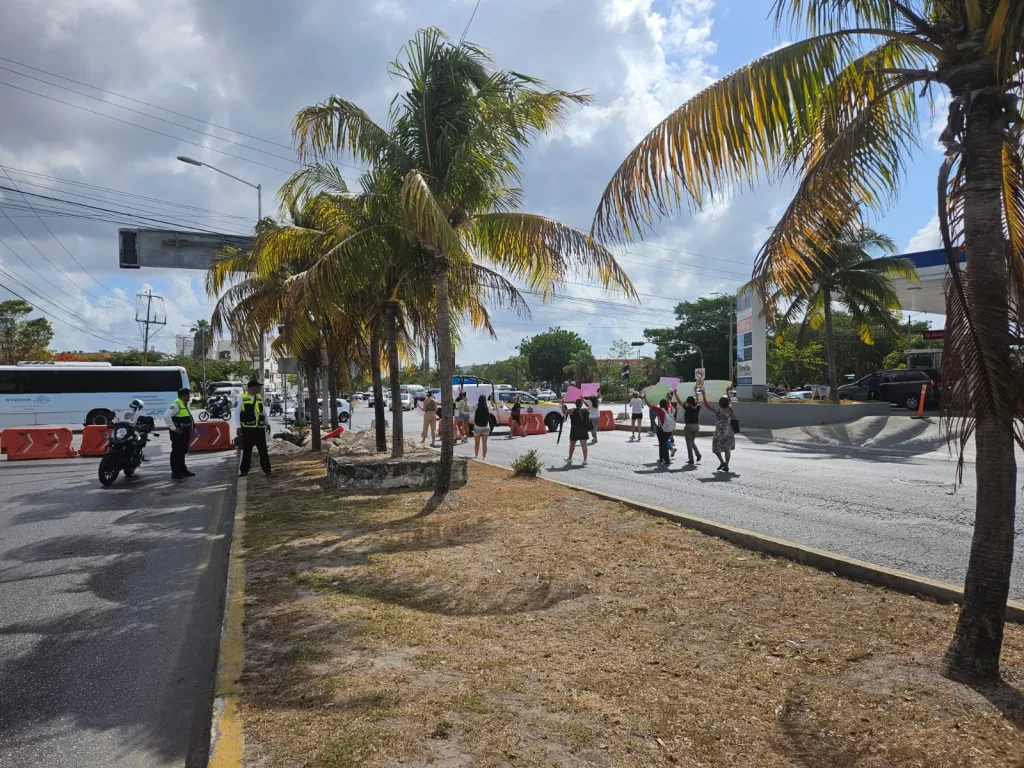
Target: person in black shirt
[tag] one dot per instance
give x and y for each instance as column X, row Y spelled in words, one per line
column 578, row 427
column 514, row 424
column 691, row 426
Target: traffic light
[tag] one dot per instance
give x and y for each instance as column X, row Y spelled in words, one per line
column 625, row 371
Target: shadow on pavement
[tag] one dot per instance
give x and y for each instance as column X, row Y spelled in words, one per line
column 139, row 658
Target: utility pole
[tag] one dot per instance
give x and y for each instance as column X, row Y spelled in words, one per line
column 149, row 320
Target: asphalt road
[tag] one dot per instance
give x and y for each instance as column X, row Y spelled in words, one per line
column 893, row 504
column 110, row 606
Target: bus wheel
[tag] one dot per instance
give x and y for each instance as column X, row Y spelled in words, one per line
column 100, row 416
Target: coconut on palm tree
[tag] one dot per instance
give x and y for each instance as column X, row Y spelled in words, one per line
column 839, row 111
column 453, row 143
column 851, row 272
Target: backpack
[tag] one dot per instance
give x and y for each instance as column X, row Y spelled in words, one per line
column 668, row 424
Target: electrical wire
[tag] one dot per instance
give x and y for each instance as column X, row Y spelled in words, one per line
column 57, row 240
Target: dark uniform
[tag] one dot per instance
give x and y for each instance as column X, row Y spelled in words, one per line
column 180, row 440
column 253, row 421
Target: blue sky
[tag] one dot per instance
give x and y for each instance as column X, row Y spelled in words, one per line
column 249, row 65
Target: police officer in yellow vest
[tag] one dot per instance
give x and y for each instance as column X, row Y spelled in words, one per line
column 180, row 425
column 251, row 425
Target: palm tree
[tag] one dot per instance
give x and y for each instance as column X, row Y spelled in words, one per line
column 202, row 338
column 848, row 275
column 453, row 143
column 839, row 109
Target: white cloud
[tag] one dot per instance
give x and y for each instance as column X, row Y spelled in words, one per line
column 927, row 238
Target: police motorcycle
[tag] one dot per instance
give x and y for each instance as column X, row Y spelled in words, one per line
column 276, row 406
column 128, row 438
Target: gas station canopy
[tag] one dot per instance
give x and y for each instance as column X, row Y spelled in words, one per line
column 929, row 295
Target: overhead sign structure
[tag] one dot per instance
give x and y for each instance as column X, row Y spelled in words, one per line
column 173, row 249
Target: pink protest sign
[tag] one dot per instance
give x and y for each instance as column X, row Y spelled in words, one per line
column 572, row 393
column 591, row 389
column 672, row 382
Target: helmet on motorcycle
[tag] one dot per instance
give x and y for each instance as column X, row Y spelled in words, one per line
column 137, row 405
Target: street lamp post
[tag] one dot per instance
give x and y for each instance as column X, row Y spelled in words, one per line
column 259, row 218
column 699, row 352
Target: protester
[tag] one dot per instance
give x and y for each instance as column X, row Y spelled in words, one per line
column 514, row 424
column 664, row 423
column 429, row 408
column 481, row 426
column 578, row 430
column 636, row 407
column 595, row 407
column 724, row 441
column 462, row 405
column 691, row 427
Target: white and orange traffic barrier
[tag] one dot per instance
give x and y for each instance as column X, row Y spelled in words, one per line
column 95, row 440
column 24, row 443
column 606, row 421
column 211, row 436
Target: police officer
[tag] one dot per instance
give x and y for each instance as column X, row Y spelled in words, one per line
column 251, row 425
column 180, row 423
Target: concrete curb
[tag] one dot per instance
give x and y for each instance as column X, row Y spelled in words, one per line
column 226, row 736
column 848, row 568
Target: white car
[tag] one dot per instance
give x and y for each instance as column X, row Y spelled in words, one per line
column 407, row 401
column 546, row 395
column 358, row 397
column 803, row 394
column 371, row 401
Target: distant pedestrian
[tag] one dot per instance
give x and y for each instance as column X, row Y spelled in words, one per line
column 664, row 423
column 724, row 441
column 636, row 409
column 578, row 430
column 691, row 427
column 481, row 426
column 429, row 408
column 594, row 410
column 462, row 406
column 515, row 424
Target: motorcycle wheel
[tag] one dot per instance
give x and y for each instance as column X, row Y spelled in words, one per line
column 204, row 416
column 109, row 469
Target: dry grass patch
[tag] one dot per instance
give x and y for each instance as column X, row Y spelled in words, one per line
column 524, row 624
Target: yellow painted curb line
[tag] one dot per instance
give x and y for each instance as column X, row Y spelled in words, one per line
column 226, row 737
column 839, row 565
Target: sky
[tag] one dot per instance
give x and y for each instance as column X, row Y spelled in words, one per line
column 227, row 77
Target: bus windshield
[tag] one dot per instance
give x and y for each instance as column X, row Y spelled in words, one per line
column 32, row 395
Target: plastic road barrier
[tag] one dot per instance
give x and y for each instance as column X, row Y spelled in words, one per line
column 23, row 443
column 606, row 421
column 333, row 433
column 95, row 439
column 211, row 436
column 533, row 424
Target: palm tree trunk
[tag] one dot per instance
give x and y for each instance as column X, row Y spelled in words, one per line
column 378, row 389
column 830, row 348
column 300, row 402
column 331, row 391
column 446, row 370
column 394, row 373
column 314, row 412
column 974, row 651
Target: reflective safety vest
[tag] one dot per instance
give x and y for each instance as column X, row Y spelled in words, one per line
column 183, row 418
column 252, row 416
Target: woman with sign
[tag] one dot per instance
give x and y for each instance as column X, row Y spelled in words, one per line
column 724, row 441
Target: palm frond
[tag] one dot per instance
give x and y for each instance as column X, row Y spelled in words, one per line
column 427, row 219
column 337, row 125
column 542, row 251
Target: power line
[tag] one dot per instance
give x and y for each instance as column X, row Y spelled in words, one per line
column 146, row 128
column 469, row 23
column 126, row 194
column 57, row 240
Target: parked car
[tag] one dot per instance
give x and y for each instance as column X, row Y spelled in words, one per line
column 358, row 397
column 370, row 401
column 803, row 394
column 898, row 387
column 545, row 395
column 407, row 401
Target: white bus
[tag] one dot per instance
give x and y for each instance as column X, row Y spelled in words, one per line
column 34, row 394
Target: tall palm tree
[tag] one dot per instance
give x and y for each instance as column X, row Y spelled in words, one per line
column 839, row 110
column 454, row 142
column 202, row 338
column 846, row 273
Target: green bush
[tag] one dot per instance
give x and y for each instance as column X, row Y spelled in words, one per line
column 527, row 464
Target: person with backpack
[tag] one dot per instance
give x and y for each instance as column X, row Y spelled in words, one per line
column 664, row 424
column 481, row 426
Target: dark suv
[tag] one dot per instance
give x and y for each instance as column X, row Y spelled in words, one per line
column 899, row 387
